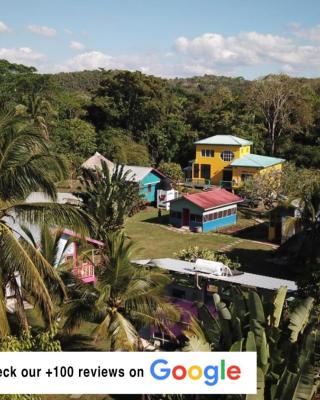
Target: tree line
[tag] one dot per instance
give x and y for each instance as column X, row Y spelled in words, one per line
column 138, row 119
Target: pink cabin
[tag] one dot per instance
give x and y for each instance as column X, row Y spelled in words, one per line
column 83, row 270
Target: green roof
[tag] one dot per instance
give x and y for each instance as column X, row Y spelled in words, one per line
column 256, row 161
column 226, row 140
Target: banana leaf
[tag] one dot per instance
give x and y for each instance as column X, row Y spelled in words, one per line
column 251, row 342
column 237, row 346
column 299, row 318
column 256, row 308
column 278, row 306
column 260, row 387
column 305, row 388
column 286, row 385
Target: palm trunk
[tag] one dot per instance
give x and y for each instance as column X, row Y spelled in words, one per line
column 21, row 312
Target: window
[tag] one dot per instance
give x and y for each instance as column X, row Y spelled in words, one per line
column 227, row 155
column 219, row 214
column 205, row 171
column 207, row 153
column 245, row 177
column 149, row 188
column 196, row 171
column 180, row 294
column 195, row 218
column 175, row 214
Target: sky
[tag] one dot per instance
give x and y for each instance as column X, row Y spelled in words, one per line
column 168, row 38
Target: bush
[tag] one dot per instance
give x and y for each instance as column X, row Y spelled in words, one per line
column 171, row 170
column 193, row 252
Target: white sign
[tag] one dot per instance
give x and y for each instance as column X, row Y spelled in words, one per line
column 128, row 373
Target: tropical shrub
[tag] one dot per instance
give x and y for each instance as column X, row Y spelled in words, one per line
column 285, row 339
column 172, row 170
column 193, row 252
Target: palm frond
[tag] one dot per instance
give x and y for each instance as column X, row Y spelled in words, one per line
column 4, row 325
column 123, row 336
column 52, row 214
column 15, row 258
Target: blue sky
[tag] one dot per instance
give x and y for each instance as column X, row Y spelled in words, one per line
column 167, row 38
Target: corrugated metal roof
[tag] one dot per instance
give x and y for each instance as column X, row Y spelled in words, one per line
column 245, row 278
column 62, row 198
column 135, row 173
column 256, row 161
column 95, row 162
column 227, row 140
column 212, row 199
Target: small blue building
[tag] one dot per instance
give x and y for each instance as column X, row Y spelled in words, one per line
column 148, row 178
column 205, row 211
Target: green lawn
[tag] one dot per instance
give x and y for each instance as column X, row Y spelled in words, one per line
column 156, row 240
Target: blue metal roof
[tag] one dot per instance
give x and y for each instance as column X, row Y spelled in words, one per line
column 256, row 161
column 226, row 140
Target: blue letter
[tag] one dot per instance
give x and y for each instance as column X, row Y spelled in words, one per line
column 213, row 377
column 165, row 371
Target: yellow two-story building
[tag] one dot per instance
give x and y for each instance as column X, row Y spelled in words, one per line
column 227, row 161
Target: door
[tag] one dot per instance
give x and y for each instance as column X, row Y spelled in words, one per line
column 185, row 217
column 227, row 175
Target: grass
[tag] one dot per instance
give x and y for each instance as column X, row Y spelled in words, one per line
column 157, row 240
column 154, row 240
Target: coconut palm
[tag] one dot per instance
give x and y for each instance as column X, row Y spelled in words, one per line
column 125, row 299
column 27, row 164
column 49, row 245
column 108, row 198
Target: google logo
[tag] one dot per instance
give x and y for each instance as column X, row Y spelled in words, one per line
column 211, row 373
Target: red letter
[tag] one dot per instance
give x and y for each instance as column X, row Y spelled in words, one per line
column 183, row 373
column 233, row 372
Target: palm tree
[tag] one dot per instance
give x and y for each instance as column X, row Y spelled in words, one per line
column 108, row 198
column 126, row 298
column 49, row 245
column 27, row 164
column 40, row 109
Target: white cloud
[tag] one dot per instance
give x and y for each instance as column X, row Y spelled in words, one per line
column 149, row 64
column 312, row 33
column 42, row 30
column 213, row 51
column 76, row 45
column 22, row 55
column 4, row 27
column 68, row 31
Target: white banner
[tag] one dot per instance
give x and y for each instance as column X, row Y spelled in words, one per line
column 128, row 373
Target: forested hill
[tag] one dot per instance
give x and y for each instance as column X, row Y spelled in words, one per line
column 139, row 119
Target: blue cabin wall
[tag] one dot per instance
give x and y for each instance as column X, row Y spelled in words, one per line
column 153, row 180
column 219, row 223
column 176, row 216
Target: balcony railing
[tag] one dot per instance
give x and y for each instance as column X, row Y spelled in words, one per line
column 85, row 272
column 198, row 182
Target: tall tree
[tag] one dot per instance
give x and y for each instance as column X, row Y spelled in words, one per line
column 282, row 103
column 126, row 298
column 26, row 164
column 108, row 198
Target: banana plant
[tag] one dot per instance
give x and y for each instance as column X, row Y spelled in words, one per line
column 285, row 341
